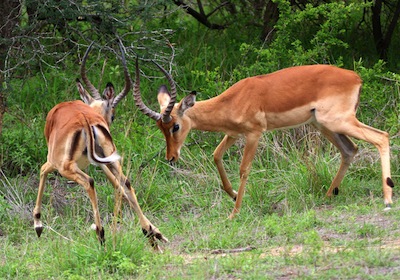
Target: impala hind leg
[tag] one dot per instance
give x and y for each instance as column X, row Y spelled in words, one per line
column 347, row 150
column 121, row 183
column 380, row 139
column 225, row 144
column 75, row 174
column 44, row 171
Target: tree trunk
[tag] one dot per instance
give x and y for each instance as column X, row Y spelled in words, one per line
column 8, row 21
column 271, row 16
column 382, row 40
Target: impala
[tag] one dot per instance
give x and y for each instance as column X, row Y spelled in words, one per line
column 324, row 96
column 77, row 135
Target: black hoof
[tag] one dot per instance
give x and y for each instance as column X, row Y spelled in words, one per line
column 154, row 234
column 148, row 233
column 336, row 191
column 39, row 231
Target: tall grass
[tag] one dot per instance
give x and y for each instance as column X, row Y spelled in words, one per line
column 285, row 220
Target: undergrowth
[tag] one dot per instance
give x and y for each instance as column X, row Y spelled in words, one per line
column 287, row 225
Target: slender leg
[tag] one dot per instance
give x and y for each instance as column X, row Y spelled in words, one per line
column 72, row 172
column 225, row 144
column 121, row 183
column 245, row 166
column 380, row 139
column 46, row 169
column 347, row 150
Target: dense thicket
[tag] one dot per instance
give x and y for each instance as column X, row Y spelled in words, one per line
column 207, row 45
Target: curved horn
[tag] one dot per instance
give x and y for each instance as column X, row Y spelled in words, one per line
column 88, row 84
column 166, row 118
column 138, row 99
column 127, row 86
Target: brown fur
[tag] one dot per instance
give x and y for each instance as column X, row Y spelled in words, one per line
column 324, row 96
column 77, row 134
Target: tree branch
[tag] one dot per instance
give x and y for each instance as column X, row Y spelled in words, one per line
column 199, row 16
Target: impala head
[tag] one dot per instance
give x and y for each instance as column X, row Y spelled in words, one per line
column 104, row 105
column 177, row 128
column 171, row 120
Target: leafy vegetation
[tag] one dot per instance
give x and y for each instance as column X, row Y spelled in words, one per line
column 287, row 228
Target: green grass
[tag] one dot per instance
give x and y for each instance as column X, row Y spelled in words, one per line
column 290, row 229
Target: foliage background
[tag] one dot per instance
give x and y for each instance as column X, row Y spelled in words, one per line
column 227, row 41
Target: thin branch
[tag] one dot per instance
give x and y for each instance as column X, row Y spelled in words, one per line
column 201, row 17
column 217, row 8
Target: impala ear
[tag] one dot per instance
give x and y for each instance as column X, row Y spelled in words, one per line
column 85, row 96
column 163, row 97
column 109, row 93
column 187, row 103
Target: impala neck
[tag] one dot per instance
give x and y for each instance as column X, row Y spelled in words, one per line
column 207, row 115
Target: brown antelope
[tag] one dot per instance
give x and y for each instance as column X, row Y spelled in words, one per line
column 77, row 135
column 322, row 95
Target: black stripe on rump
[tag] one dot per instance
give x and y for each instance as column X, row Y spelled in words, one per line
column 105, row 132
column 74, row 144
column 97, row 147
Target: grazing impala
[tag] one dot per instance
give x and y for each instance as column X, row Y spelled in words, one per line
column 77, row 135
column 322, row 95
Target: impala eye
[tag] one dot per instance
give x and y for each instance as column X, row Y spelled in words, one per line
column 175, row 128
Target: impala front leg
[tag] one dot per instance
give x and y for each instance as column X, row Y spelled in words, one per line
column 245, row 166
column 149, row 230
column 225, row 144
column 121, row 183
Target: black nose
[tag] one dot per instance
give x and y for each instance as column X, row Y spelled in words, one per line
column 172, row 161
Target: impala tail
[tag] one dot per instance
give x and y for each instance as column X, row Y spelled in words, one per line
column 93, row 133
